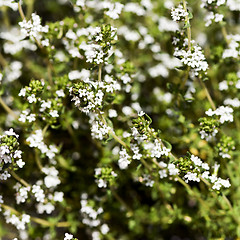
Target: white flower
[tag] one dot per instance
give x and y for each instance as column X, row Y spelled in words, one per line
column 234, row 5
column 112, row 113
column 32, row 98
column 38, row 193
column 123, row 161
column 163, row 173
column 9, row 3
column 194, row 58
column 20, row 163
column 114, row 10
column 60, row 93
column 172, row 169
column 196, row 160
column 147, row 180
column 48, row 208
column 54, row 113
column 33, row 27
column 22, row 92
column 134, row 8
column 68, row 236
column 104, row 229
column 225, row 113
column 141, row 113
column 58, row 196
column 51, row 180
column 191, row 177
column 101, row 183
column 233, row 102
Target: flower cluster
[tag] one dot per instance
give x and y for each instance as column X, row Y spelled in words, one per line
column 105, row 176
column 211, row 17
column 10, row 155
column 35, row 140
column 212, row 3
column 193, row 169
column 32, row 92
column 233, row 50
column 15, row 41
column 232, row 82
column 94, row 43
column 212, row 7
column 33, row 27
column 69, row 236
column 193, row 58
column 91, row 217
column 99, row 129
column 225, row 147
column 18, row 222
column 21, row 193
column 13, row 71
column 225, row 114
column 43, row 104
column 209, row 127
column 9, row 3
column 178, row 14
column 147, row 180
column 98, row 49
column 112, row 10
column 88, row 95
column 167, row 170
column 124, row 159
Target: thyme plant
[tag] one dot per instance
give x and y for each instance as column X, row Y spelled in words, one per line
column 119, row 120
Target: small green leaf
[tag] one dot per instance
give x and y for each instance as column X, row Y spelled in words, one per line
column 187, row 25
column 138, row 167
column 190, row 15
column 167, row 144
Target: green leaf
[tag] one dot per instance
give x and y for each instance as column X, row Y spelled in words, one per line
column 65, row 164
column 187, row 25
column 190, row 15
column 167, row 144
column 138, row 167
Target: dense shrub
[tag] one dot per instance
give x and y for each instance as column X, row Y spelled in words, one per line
column 119, row 120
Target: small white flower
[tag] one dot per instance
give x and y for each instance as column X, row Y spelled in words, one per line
column 20, row 163
column 68, row 236
column 32, row 98
column 60, row 93
column 54, row 113
column 22, row 92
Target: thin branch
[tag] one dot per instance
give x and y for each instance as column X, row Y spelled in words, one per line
column 38, row 161
column 207, row 94
column 21, row 10
column 100, row 73
column 8, row 109
column 188, row 25
column 225, row 35
column 19, row 179
column 35, row 219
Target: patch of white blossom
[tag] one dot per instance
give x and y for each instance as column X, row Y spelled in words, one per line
column 225, row 113
column 193, row 58
column 178, row 13
column 33, row 27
